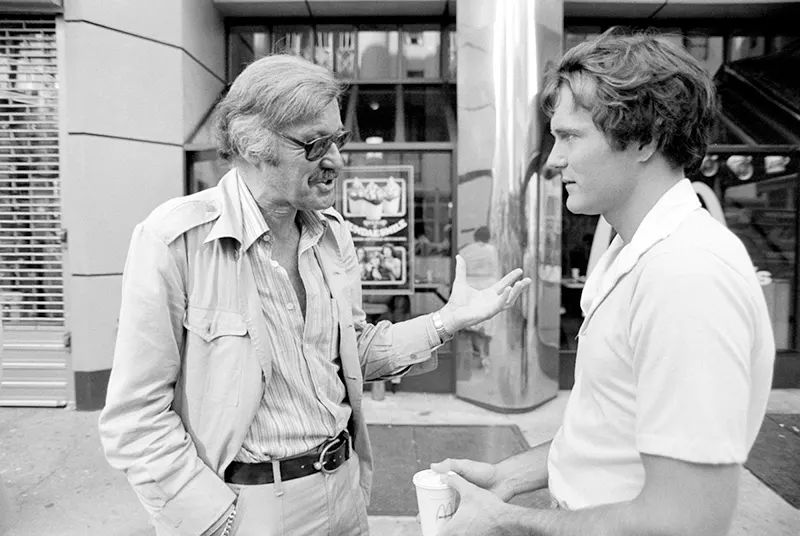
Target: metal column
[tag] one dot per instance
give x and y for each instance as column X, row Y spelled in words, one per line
column 510, row 363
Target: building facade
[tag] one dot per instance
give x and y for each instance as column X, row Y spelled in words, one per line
column 106, row 107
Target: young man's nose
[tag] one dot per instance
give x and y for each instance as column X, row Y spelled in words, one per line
column 556, row 160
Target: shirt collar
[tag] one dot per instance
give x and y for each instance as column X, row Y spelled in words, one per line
column 661, row 221
column 253, row 224
column 312, row 223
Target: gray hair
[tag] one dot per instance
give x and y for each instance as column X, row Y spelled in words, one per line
column 269, row 96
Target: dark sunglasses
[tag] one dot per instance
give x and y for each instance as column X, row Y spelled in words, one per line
column 318, row 147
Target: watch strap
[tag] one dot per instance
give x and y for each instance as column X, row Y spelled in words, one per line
column 444, row 335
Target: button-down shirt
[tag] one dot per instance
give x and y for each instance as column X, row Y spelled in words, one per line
column 304, row 402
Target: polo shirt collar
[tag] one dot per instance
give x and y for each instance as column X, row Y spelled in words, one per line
column 661, row 221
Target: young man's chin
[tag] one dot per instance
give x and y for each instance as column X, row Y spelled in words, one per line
column 575, row 206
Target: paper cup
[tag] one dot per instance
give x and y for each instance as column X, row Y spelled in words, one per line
column 436, row 501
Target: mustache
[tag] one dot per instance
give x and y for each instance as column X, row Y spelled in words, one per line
column 323, row 175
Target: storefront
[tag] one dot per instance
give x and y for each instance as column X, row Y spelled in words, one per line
column 105, row 114
column 403, row 84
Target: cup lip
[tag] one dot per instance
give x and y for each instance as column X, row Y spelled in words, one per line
column 418, row 475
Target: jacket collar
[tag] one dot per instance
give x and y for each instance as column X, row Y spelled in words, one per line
column 620, row 258
column 229, row 222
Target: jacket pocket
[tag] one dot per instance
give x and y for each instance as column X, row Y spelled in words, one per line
column 216, row 348
column 210, row 324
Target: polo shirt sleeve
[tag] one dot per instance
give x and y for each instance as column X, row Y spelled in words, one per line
column 692, row 333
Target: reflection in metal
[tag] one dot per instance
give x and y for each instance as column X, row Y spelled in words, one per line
column 511, row 364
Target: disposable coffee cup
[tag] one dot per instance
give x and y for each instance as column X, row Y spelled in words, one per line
column 436, row 501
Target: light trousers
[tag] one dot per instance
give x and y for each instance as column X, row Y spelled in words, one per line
column 319, row 505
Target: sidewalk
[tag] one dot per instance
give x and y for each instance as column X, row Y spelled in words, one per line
column 54, row 469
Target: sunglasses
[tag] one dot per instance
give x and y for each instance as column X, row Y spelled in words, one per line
column 318, row 147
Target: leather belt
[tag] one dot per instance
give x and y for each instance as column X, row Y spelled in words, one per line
column 326, row 458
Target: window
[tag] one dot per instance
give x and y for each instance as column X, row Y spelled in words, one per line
column 376, row 110
column 363, row 53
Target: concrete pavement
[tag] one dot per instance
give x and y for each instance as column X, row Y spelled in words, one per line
column 60, row 484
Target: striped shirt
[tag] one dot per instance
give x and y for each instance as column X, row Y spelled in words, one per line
column 304, row 402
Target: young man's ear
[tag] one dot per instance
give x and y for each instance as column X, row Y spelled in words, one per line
column 645, row 151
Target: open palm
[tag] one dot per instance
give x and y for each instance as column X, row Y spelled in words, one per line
column 468, row 306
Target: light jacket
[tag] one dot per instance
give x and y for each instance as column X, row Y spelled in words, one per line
column 189, row 358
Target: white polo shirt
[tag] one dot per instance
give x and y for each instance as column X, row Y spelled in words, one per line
column 675, row 356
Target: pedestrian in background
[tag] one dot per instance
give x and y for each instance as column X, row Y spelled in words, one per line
column 234, row 403
column 675, row 354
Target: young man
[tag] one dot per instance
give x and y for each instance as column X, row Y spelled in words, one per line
column 676, row 349
column 234, row 405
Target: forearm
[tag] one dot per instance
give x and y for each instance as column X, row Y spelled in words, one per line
column 630, row 518
column 386, row 349
column 526, row 471
column 609, row 520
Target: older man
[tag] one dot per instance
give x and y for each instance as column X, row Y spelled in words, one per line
column 676, row 349
column 234, row 405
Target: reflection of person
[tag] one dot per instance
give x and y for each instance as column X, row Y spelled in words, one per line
column 483, row 270
column 675, row 357
column 233, row 407
column 392, row 264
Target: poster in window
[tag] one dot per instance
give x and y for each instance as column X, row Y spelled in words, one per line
column 374, row 201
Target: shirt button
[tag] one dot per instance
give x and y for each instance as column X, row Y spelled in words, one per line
column 274, row 264
column 290, row 306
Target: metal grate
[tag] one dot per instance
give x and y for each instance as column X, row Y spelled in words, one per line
column 31, row 279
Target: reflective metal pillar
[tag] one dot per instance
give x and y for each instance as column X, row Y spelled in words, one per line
column 510, row 363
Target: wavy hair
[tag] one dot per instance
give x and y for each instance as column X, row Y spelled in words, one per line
column 639, row 87
column 272, row 94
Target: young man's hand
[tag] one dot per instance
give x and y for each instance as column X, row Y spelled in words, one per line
column 483, row 475
column 478, row 512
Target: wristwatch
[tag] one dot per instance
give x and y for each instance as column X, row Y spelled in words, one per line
column 444, row 335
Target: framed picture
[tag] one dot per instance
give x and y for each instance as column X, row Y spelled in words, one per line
column 374, row 201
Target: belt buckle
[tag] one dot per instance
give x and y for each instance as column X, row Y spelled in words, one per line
column 319, row 465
